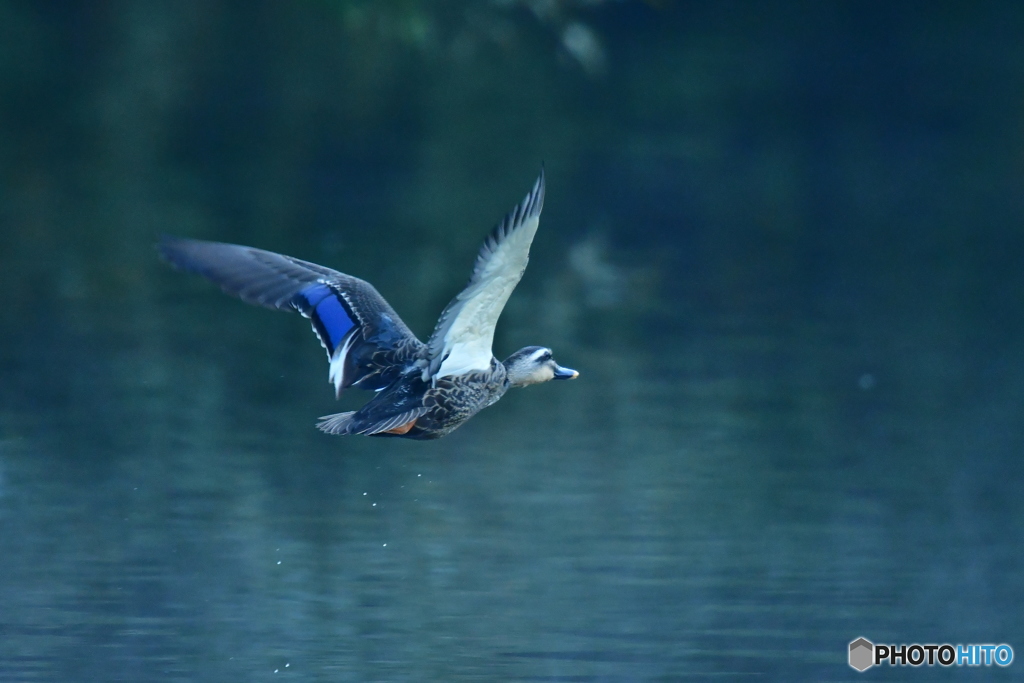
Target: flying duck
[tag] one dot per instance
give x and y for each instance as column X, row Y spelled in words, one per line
column 424, row 391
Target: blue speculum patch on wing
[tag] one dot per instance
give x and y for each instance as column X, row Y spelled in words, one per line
column 324, row 307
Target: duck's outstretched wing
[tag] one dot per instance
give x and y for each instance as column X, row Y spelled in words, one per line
column 462, row 339
column 367, row 344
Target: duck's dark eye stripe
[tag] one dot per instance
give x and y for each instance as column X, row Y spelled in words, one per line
column 541, row 356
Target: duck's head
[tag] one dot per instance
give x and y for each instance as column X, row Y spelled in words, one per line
column 533, row 365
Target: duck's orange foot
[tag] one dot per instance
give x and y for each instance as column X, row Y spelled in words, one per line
column 402, row 429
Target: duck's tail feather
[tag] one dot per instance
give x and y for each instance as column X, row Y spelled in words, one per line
column 339, row 423
column 350, row 423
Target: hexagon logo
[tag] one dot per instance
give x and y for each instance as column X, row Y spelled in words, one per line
column 862, row 654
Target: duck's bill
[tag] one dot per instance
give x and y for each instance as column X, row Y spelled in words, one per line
column 565, row 373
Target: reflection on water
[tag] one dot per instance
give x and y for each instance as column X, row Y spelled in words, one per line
column 738, row 503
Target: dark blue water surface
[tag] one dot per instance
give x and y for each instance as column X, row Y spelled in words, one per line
column 782, row 245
